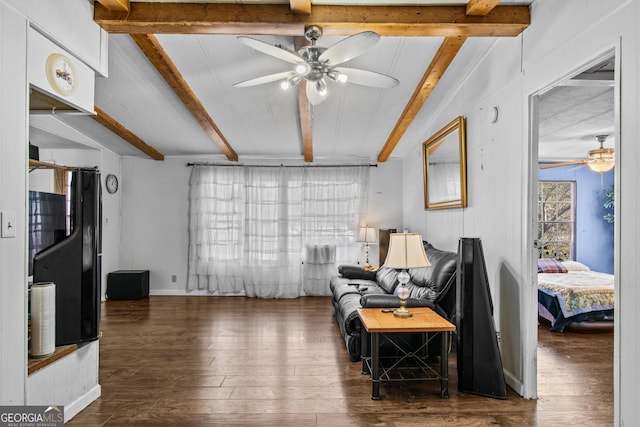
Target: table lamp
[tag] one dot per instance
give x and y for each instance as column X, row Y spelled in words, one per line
column 367, row 236
column 406, row 250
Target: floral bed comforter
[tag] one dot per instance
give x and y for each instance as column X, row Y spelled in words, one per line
column 579, row 291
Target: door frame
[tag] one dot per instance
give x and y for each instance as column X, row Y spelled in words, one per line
column 530, row 311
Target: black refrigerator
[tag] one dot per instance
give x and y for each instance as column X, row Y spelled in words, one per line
column 74, row 263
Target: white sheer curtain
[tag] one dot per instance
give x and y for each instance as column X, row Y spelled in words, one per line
column 216, row 229
column 334, row 205
column 272, row 255
column 272, row 214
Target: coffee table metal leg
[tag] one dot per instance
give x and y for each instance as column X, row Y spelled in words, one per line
column 444, row 365
column 364, row 351
column 375, row 368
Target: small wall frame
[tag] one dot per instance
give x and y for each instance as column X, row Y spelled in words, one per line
column 445, row 167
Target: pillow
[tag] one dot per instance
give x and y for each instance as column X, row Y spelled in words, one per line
column 575, row 266
column 549, row 265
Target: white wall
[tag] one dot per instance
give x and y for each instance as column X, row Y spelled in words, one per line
column 385, row 203
column 14, row 21
column 111, row 217
column 13, row 178
column 563, row 37
column 78, row 372
column 155, row 208
column 494, row 181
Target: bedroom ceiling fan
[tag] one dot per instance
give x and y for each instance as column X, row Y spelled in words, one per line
column 315, row 64
column 600, row 159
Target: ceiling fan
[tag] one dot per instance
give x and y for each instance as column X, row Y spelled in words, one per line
column 315, row 63
column 600, row 159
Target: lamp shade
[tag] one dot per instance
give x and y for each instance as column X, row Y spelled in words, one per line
column 367, row 235
column 406, row 251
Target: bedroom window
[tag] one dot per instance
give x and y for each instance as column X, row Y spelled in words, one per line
column 556, row 219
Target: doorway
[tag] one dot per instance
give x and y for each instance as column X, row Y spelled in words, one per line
column 575, row 134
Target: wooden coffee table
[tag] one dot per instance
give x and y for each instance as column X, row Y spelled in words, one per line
column 424, row 320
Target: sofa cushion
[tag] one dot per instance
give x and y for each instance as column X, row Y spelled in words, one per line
column 342, row 287
column 347, row 309
column 337, row 282
column 387, row 279
column 430, row 282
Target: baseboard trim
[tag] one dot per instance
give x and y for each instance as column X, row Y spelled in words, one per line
column 182, row 292
column 81, row 402
column 513, row 382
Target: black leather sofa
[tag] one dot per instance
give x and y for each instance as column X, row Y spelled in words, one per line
column 432, row 286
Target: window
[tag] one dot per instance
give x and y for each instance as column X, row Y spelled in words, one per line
column 249, row 225
column 556, row 219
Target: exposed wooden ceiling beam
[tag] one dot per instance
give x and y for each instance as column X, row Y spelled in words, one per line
column 443, row 57
column 304, row 108
column 161, row 61
column 118, row 5
column 300, row 6
column 225, row 18
column 116, row 127
column 439, row 64
column 305, row 122
column 481, row 7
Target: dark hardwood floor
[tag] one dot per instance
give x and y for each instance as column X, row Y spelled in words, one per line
column 235, row 361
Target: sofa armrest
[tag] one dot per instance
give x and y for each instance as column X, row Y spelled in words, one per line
column 391, row 301
column 356, row 272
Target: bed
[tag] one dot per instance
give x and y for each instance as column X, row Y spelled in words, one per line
column 572, row 296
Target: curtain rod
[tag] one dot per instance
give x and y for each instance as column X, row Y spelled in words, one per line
column 282, row 166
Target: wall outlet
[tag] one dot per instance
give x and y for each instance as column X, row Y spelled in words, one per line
column 174, row 278
column 8, row 224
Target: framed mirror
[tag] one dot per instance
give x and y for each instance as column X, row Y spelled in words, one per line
column 445, row 167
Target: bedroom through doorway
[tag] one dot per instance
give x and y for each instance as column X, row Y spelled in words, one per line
column 575, row 140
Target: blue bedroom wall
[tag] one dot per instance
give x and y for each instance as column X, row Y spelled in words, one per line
column 594, row 236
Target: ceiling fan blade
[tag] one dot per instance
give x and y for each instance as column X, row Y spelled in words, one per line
column 313, row 95
column 578, row 167
column 265, row 79
column 349, row 48
column 276, row 52
column 367, row 78
column 559, row 164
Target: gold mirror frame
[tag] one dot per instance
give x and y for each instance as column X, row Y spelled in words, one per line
column 447, row 149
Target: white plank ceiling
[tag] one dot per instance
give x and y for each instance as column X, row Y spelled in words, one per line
column 264, row 121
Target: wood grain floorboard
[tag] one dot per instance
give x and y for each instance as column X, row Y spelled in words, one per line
column 235, row 361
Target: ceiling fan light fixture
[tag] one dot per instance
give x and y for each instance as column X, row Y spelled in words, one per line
column 285, row 84
column 321, row 86
column 300, row 69
column 290, row 82
column 601, row 159
column 601, row 165
column 337, row 76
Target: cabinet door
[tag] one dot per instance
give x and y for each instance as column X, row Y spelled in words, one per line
column 383, row 243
